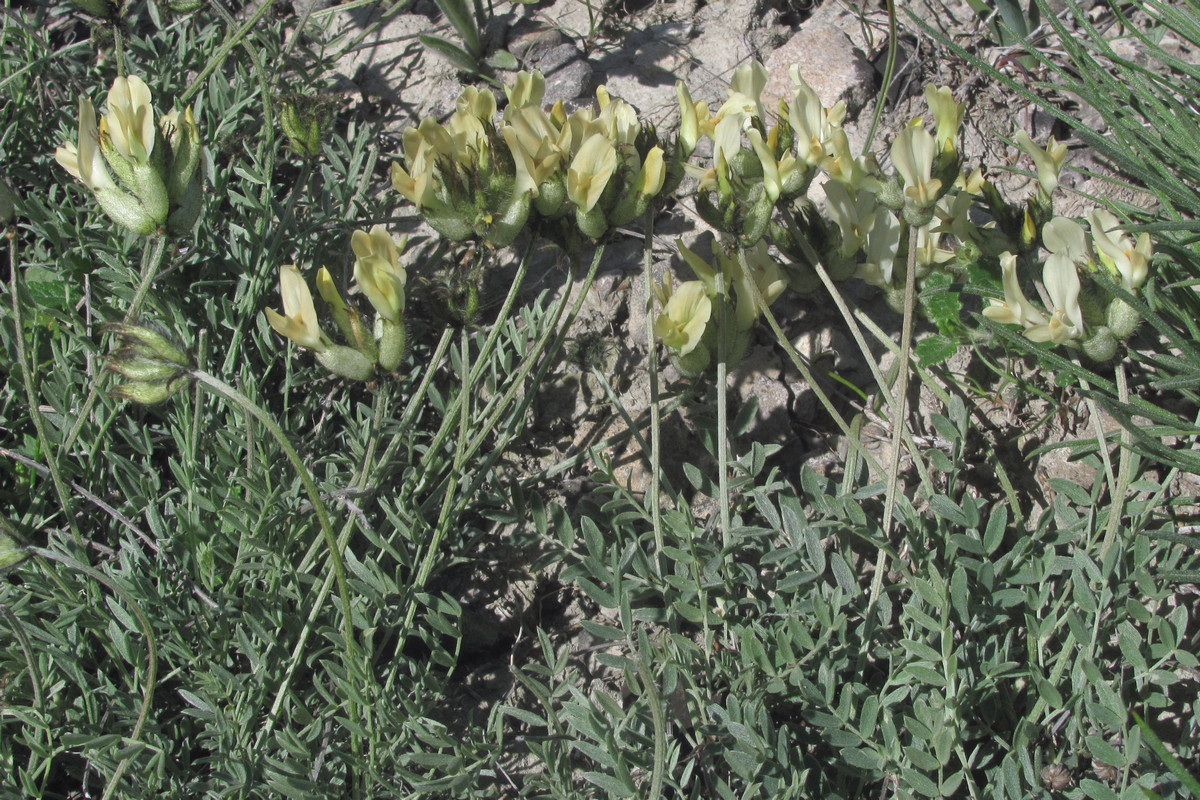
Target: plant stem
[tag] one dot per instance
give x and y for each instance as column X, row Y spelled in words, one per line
column 439, row 532
column 218, row 58
column 151, row 651
column 900, row 396
column 722, row 402
column 152, row 258
column 652, row 365
column 35, row 415
column 477, row 371
column 1123, row 469
column 310, row 487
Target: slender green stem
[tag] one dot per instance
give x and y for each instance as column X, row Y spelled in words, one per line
column 900, row 406
column 723, row 403
column 888, row 71
column 482, row 361
column 533, row 356
column 403, row 434
column 35, row 415
column 652, row 367
column 35, row 682
column 323, row 591
column 434, row 546
column 611, row 441
column 660, row 726
column 1124, row 468
column 152, row 258
column 232, row 40
column 151, row 651
column 860, row 340
column 876, row 373
column 310, row 487
column 119, row 48
column 852, row 441
column 548, row 355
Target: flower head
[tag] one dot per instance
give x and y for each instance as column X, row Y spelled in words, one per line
column 85, row 162
column 378, row 272
column 299, row 319
column 1014, row 309
column 685, row 314
column 130, row 119
column 1118, row 252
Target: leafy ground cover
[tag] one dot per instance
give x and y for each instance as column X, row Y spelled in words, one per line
column 427, row 545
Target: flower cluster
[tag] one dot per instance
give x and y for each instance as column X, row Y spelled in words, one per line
column 154, row 367
column 595, row 169
column 744, row 281
column 1095, row 321
column 380, row 276
column 755, row 192
column 145, row 174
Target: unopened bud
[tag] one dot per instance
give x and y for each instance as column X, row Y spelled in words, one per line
column 148, row 393
column 302, row 121
column 104, row 9
column 7, row 202
column 155, row 367
column 346, row 362
column 1101, row 345
column 1123, row 319
column 147, row 343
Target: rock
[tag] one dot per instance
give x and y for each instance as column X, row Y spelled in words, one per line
column 530, row 39
column 569, row 83
column 557, row 57
column 392, row 65
column 830, row 64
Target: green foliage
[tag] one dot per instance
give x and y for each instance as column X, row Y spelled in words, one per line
column 471, row 25
column 1009, row 21
column 179, row 580
column 791, row 678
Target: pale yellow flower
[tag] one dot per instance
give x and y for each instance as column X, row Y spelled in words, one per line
column 378, row 272
column 527, row 90
column 299, row 319
column 532, row 167
column 130, row 119
column 775, row 173
column 913, row 152
column 590, row 171
column 689, row 118
column 653, row 174
column 745, row 92
column 1048, row 162
column 883, row 245
column 1118, row 252
column 481, row 105
column 762, row 273
column 1015, row 308
column 812, row 124
column 1067, row 243
column 946, row 113
column 85, row 161
column 684, row 316
column 854, row 215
